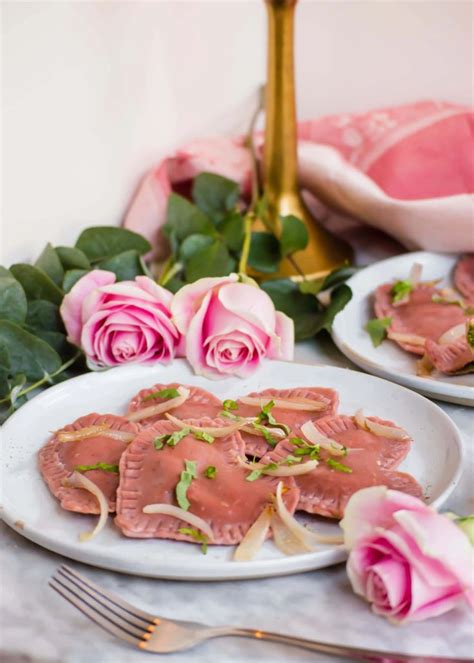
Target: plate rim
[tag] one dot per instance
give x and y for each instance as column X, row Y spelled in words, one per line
column 451, row 393
column 259, row 568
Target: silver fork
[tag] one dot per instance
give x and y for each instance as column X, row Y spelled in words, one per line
column 160, row 635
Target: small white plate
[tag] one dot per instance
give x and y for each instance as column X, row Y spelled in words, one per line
column 388, row 360
column 435, row 461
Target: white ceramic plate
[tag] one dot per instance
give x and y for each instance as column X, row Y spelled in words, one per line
column 388, row 360
column 435, row 461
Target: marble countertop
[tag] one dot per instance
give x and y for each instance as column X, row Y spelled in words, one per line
column 37, row 625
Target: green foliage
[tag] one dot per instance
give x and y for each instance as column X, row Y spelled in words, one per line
column 294, row 235
column 101, row 242
column 13, row 304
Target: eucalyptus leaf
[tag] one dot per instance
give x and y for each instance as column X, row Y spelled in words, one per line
column 5, row 369
column 215, row 195
column 50, row 264
column 102, row 242
column 72, row 258
column 57, row 341
column 13, row 302
column 294, row 235
column 126, row 266
column 192, row 244
column 340, row 296
column 231, row 229
column 264, row 255
column 45, row 315
column 212, row 260
column 184, row 219
column 36, row 284
column 27, row 353
column 71, row 277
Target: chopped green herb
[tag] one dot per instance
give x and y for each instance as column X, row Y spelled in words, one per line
column 204, row 437
column 229, row 415
column 400, row 290
column 377, row 329
column 98, row 466
column 164, row 393
column 199, row 537
column 210, row 472
column 187, row 475
column 265, row 417
column 171, row 439
column 229, row 404
column 442, row 300
column 290, row 460
column 269, row 439
column 304, row 448
column 470, row 333
column 255, row 474
column 338, row 466
column 298, row 441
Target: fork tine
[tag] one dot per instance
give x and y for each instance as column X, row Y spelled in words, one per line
column 128, row 619
column 113, row 598
column 92, row 614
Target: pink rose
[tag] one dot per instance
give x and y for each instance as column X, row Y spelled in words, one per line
column 117, row 323
column 407, row 560
column 230, row 327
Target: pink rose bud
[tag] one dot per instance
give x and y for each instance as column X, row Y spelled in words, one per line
column 407, row 560
column 117, row 323
column 230, row 327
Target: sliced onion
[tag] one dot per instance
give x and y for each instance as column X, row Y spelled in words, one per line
column 255, row 537
column 78, row 480
column 276, row 432
column 453, row 334
column 379, row 429
column 92, row 431
column 410, row 339
column 415, row 274
column 285, row 540
column 153, row 410
column 288, row 404
column 218, row 431
column 181, row 514
column 306, row 536
column 424, row 367
column 310, row 431
column 282, row 470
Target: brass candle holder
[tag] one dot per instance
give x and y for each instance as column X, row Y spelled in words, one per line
column 324, row 251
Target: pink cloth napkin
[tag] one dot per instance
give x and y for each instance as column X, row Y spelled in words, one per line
column 408, row 171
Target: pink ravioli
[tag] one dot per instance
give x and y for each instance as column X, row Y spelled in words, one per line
column 199, row 404
column 325, row 491
column 457, row 357
column 256, row 445
column 464, row 277
column 57, row 461
column 419, row 316
column 228, row 503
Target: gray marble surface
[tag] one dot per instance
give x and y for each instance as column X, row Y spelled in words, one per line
column 37, row 625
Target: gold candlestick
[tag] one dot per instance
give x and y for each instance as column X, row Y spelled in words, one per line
column 324, row 251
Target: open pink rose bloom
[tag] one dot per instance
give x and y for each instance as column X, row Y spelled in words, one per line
column 230, row 327
column 117, row 323
column 408, row 561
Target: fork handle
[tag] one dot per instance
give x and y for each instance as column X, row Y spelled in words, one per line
column 334, row 649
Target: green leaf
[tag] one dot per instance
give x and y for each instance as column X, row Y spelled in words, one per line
column 193, row 244
column 210, row 472
column 377, row 330
column 102, row 242
column 72, row 258
column 72, row 277
column 13, row 303
column 186, row 477
column 337, row 276
column 264, row 253
column 172, row 439
column 229, row 404
column 400, row 290
column 50, row 264
column 199, row 537
column 203, row 436
column 56, row 340
column 106, row 467
column 294, row 235
column 44, row 315
column 340, row 467
column 27, row 353
column 340, row 296
column 184, row 219
column 232, row 230
column 36, row 284
column 126, row 266
column 212, row 260
column 163, row 393
column 303, row 309
column 5, row 370
column 215, row 195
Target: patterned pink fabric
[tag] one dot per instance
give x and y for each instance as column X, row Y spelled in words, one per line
column 408, row 171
